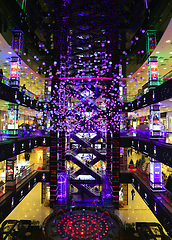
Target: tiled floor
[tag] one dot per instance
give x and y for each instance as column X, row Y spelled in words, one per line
column 31, row 208
column 136, row 210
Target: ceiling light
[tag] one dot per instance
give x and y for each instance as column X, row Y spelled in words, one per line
column 161, row 61
column 138, row 73
column 7, row 61
column 167, row 41
column 165, row 68
column 157, row 52
column 9, row 52
column 170, row 52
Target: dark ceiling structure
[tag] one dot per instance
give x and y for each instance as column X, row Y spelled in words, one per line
column 86, row 30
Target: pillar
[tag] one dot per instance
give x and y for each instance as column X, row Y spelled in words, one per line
column 156, row 183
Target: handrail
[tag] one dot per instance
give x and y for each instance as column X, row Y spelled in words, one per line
column 9, row 134
column 21, row 176
column 6, row 81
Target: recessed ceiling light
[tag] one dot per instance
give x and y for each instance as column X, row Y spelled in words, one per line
column 138, row 73
column 161, row 61
column 167, row 41
column 165, row 68
column 157, row 52
column 170, row 52
column 9, row 52
column 7, row 61
column 143, row 67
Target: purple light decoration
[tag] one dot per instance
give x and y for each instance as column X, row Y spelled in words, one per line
column 143, row 31
column 136, row 38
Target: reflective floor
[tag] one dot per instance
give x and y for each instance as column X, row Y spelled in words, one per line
column 31, row 208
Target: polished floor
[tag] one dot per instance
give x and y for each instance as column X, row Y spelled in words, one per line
column 31, row 208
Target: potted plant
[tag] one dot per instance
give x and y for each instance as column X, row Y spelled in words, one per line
column 35, row 224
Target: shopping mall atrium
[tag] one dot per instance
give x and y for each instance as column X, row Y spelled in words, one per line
column 86, row 119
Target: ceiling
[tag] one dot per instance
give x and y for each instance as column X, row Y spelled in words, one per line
column 164, row 52
column 33, row 81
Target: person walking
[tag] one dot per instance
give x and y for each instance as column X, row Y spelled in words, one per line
column 132, row 194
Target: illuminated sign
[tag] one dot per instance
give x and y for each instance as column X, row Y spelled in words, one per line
column 17, row 42
column 151, row 41
column 153, row 78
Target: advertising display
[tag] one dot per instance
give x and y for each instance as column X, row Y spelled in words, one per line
column 9, row 170
column 155, row 123
column 12, row 118
column 155, row 175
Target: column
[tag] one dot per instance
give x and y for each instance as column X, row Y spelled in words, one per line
column 155, row 175
column 17, row 46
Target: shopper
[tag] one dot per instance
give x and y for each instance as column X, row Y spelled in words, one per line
column 132, row 194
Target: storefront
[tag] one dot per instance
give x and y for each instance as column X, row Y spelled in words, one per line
column 38, row 156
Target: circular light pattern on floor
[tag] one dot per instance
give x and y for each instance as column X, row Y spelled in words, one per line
column 83, row 225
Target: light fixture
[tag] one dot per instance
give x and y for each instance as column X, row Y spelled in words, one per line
column 9, row 52
column 157, row 52
column 167, row 41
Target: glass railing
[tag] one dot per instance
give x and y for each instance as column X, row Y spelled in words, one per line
column 166, row 77
column 32, row 95
column 127, row 98
column 144, row 175
column 22, row 176
column 165, row 137
column 10, row 134
column 162, row 80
